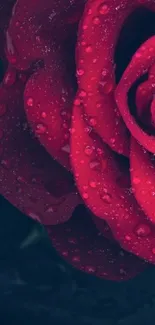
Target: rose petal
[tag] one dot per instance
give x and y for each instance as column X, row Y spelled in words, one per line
column 143, row 178
column 30, row 30
column 98, row 179
column 98, row 33
column 29, row 178
column 80, row 244
column 48, row 104
column 141, row 62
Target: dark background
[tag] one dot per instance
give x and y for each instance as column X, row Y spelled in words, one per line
column 36, row 286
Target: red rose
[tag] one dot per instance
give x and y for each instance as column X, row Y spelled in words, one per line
column 101, row 130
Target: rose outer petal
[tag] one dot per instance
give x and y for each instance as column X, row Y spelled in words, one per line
column 48, row 104
column 98, row 34
column 29, row 178
column 34, row 24
column 80, row 244
column 49, row 92
column 141, row 62
column 97, row 172
column 143, row 178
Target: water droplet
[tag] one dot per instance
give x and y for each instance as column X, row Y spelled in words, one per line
column 85, row 195
column 82, row 93
column 65, row 253
column 142, row 230
column 90, row 269
column 72, row 240
column 30, row 102
column 103, row 9
column 93, row 184
column 10, row 77
column 84, row 27
column 96, row 21
column 136, row 180
column 43, row 115
column 88, row 150
column 106, row 198
column 50, row 209
column 127, row 237
column 92, row 121
column 38, row 39
column 76, row 259
column 95, row 164
column 122, row 271
column 40, row 129
column 80, row 72
column 33, row 215
column 104, row 72
column 77, row 101
column 6, row 163
column 89, row 12
column 106, row 86
column 89, row 49
column 66, row 148
column 2, row 109
column 21, row 179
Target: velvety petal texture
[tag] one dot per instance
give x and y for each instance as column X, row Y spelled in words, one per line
column 69, row 135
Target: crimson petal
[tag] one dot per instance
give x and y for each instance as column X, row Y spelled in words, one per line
column 98, row 33
column 97, row 175
column 141, row 62
column 80, row 244
column 29, row 178
column 143, row 178
column 48, row 93
column 30, row 30
column 48, row 104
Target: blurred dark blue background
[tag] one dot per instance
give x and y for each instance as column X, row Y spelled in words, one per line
column 37, row 286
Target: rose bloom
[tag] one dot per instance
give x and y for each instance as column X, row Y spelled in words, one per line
column 77, row 127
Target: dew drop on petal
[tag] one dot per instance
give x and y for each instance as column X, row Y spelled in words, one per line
column 43, row 115
column 76, row 259
column 96, row 21
column 72, row 240
column 40, row 128
column 93, row 184
column 30, row 102
column 65, row 253
column 142, row 230
column 85, row 195
column 92, row 121
column 80, row 72
column 10, row 77
column 90, row 269
column 106, row 86
column 136, row 180
column 106, row 198
column 103, row 9
column 88, row 150
column 89, row 49
column 95, row 165
column 127, row 237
